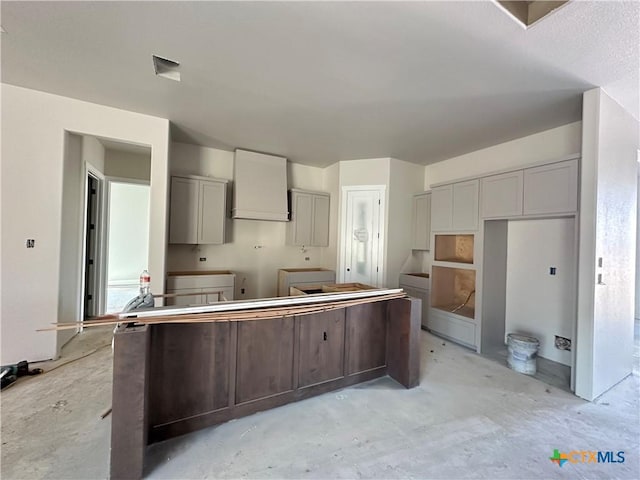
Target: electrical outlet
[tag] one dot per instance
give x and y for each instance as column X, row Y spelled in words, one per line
column 203, row 259
column 31, row 243
column 563, row 343
column 552, row 270
column 306, row 259
column 242, row 291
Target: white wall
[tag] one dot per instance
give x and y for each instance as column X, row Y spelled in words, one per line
column 538, row 303
column 405, row 180
column 255, row 268
column 331, row 184
column 33, row 143
column 128, row 232
column 70, row 275
column 548, row 145
column 127, row 164
column 93, row 153
column 637, row 315
column 608, row 203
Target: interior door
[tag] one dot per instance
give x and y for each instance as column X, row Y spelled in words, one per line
column 361, row 236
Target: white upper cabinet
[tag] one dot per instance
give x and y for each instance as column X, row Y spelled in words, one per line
column 551, row 189
column 502, row 195
column 198, row 210
column 421, row 234
column 441, row 208
column 465, row 206
column 454, row 207
column 309, row 225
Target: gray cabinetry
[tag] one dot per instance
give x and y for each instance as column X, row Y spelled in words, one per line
column 290, row 277
column 417, row 286
column 194, row 287
column 421, row 232
column 197, row 210
column 502, row 195
column 454, row 207
column 309, row 225
column 551, row 188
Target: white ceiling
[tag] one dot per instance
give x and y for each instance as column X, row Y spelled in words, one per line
column 319, row 82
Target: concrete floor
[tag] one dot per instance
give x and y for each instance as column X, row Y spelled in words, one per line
column 470, row 418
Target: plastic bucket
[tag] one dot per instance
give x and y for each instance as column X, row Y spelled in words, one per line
column 523, row 351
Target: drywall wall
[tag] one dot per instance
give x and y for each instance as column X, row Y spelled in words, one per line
column 122, row 164
column 256, row 249
column 331, row 184
column 405, row 180
column 637, row 315
column 538, row 303
column 608, row 202
column 33, row 146
column 544, row 146
column 93, row 152
column 128, row 242
column 70, row 275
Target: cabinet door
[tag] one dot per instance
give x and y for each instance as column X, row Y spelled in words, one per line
column 264, row 359
column 421, row 222
column 502, row 195
column 465, row 205
column 321, row 347
column 320, row 227
column 441, row 208
column 195, row 297
column 183, row 214
column 212, row 212
column 366, row 337
column 302, row 211
column 551, row 188
column 422, row 295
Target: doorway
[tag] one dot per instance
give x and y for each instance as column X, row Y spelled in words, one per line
column 92, row 246
column 362, row 241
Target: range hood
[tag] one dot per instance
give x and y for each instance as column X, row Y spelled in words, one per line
column 260, row 187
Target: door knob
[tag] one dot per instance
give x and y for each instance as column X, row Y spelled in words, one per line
column 348, row 269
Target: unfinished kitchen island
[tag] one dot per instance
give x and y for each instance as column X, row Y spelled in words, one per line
column 173, row 378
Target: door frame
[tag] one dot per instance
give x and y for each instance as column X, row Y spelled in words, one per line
column 99, row 265
column 104, row 252
column 342, row 248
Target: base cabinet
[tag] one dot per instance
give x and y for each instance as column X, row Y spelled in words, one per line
column 321, row 348
column 418, row 287
column 454, row 327
column 192, row 288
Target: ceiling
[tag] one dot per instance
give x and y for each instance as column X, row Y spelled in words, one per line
column 319, row 82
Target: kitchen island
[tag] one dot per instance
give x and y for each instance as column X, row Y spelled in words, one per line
column 173, row 378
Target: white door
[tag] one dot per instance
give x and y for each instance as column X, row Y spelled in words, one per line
column 361, row 235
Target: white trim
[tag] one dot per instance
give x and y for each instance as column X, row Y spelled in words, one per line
column 382, row 190
column 258, row 303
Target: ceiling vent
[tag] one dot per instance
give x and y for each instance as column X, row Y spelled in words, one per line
column 166, row 68
column 260, row 187
column 529, row 12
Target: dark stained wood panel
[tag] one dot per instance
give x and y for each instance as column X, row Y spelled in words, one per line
column 366, row 337
column 321, row 356
column 403, row 341
column 189, row 370
column 264, row 358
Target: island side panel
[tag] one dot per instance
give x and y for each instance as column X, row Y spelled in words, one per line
column 403, row 340
column 129, row 423
column 366, row 337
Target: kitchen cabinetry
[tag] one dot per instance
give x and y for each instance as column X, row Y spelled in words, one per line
column 197, row 284
column 550, row 189
column 417, row 285
column 197, row 210
column 454, row 207
column 309, row 225
column 321, row 348
column 290, row 277
column 421, row 234
column 502, row 195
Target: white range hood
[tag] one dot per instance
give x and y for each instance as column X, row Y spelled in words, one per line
column 260, row 187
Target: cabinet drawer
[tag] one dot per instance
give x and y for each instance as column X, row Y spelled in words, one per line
column 452, row 327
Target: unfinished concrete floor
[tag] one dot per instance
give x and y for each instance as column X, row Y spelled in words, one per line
column 470, row 418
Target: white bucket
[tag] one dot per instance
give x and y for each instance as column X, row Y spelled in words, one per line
column 523, row 351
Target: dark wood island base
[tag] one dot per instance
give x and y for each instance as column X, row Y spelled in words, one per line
column 171, row 379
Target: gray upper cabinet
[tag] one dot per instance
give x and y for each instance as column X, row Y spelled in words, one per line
column 455, row 207
column 197, row 210
column 421, row 234
column 551, row 189
column 502, row 195
column 309, row 225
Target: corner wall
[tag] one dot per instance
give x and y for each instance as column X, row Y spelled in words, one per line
column 33, row 141
column 608, row 202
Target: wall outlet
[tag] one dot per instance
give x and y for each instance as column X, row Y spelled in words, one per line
column 203, row 259
column 563, row 343
column 31, row 243
column 306, row 259
column 552, row 270
column 242, row 291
